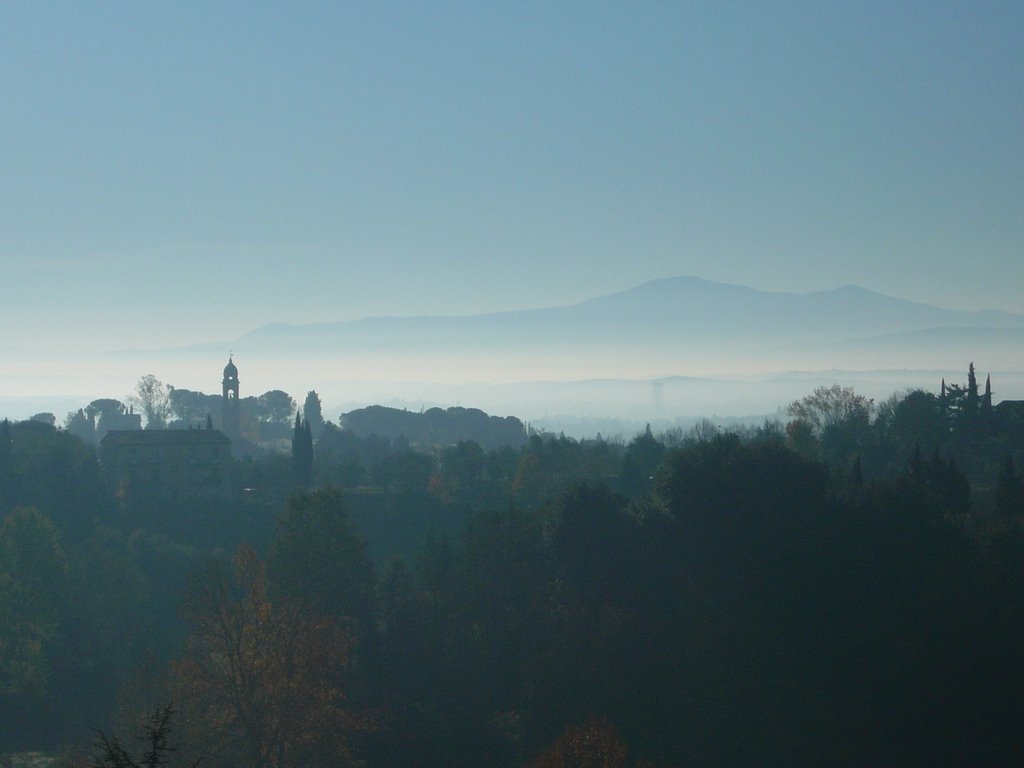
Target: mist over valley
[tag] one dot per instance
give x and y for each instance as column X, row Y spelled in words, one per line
column 666, row 352
column 511, row 385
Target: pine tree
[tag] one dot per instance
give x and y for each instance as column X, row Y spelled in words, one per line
column 155, row 734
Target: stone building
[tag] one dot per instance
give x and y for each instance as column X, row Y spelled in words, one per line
column 178, row 463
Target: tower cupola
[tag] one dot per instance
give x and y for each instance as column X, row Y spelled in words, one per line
column 230, row 404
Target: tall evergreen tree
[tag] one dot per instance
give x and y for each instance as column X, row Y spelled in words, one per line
column 972, row 402
column 319, row 562
column 1009, row 490
column 944, row 402
column 110, row 753
column 6, row 468
column 857, row 475
column 642, row 457
column 312, row 412
column 302, row 452
column 307, row 449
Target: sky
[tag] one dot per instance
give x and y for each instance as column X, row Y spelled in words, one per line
column 173, row 173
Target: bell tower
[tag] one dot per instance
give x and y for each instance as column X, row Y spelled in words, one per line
column 229, row 415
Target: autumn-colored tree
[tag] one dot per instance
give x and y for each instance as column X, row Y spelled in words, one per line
column 594, row 745
column 261, row 684
column 33, row 572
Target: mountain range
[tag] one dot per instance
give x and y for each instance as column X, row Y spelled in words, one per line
column 665, row 349
column 671, row 317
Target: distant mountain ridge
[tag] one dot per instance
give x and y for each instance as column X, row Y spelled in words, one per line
column 662, row 349
column 686, row 310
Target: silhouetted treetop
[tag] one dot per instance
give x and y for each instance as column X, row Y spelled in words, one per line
column 436, row 426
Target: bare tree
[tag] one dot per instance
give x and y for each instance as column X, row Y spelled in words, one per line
column 151, row 397
column 830, row 406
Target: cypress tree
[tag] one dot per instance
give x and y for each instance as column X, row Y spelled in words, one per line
column 944, row 402
column 5, row 443
column 1009, row 490
column 313, row 413
column 6, row 468
column 302, row 452
column 972, row 391
column 857, row 475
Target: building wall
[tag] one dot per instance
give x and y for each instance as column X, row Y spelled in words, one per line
column 179, row 463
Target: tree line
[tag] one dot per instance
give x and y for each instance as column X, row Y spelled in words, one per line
column 843, row 589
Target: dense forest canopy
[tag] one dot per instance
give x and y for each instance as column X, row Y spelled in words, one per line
column 846, row 588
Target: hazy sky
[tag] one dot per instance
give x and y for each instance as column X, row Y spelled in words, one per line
column 180, row 172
